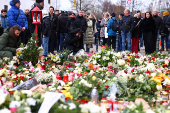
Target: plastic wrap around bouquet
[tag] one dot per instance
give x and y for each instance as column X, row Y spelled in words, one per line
column 26, row 85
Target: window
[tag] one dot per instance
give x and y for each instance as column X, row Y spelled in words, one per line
column 49, row 1
column 6, row 7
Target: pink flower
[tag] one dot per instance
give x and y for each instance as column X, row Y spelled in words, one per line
column 32, row 69
column 107, row 86
column 13, row 110
column 90, row 54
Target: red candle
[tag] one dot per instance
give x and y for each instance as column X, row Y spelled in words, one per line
column 65, row 79
column 58, row 77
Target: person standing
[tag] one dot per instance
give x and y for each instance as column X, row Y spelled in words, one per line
column 82, row 24
column 111, row 34
column 158, row 23
column 62, row 30
column 53, row 27
column 103, row 24
column 28, row 33
column 46, row 31
column 57, row 12
column 120, row 37
column 136, row 33
column 148, row 29
column 89, row 34
column 126, row 30
column 40, row 5
column 165, row 32
column 16, row 16
column 4, row 19
column 98, row 28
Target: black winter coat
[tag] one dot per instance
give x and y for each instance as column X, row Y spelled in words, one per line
column 72, row 26
column 164, row 29
column 167, row 23
column 127, row 22
column 62, row 23
column 148, row 25
column 158, row 22
column 82, row 23
column 137, row 28
column 46, row 26
column 53, row 22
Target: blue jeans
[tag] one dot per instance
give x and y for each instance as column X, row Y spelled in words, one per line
column 63, row 36
column 141, row 41
column 45, row 45
column 120, row 43
column 167, row 41
column 126, row 37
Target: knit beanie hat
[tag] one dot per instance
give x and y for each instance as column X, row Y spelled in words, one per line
column 39, row 1
column 16, row 1
column 166, row 13
column 113, row 14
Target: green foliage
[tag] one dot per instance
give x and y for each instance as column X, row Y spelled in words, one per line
column 30, row 53
column 134, row 109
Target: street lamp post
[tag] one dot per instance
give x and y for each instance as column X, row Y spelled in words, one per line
column 36, row 17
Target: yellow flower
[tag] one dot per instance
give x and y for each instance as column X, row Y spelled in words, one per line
column 86, row 60
column 94, row 78
column 18, row 53
column 52, row 56
column 128, row 57
column 68, row 95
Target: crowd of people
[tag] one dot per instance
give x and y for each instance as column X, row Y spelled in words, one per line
column 66, row 30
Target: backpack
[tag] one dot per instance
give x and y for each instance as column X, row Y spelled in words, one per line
column 115, row 26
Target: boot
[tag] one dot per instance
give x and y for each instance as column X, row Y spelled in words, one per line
column 167, row 49
column 162, row 49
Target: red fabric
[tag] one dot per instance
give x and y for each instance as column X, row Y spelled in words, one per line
column 135, row 44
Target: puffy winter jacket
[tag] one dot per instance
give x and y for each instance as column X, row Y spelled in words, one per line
column 12, row 16
column 89, row 33
column 109, row 27
column 62, row 21
column 4, row 22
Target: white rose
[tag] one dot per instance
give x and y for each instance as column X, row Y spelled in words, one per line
column 28, row 92
column 151, row 67
column 121, row 62
column 150, row 111
column 94, row 62
column 104, row 58
column 14, row 104
column 159, row 87
column 114, row 79
column 2, row 97
column 31, row 101
column 72, row 106
column 5, row 110
column 166, row 62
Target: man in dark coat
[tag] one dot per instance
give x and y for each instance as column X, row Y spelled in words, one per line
column 126, row 30
column 74, row 40
column 158, row 25
column 40, row 5
column 53, row 27
column 62, row 28
column 82, row 23
column 165, row 32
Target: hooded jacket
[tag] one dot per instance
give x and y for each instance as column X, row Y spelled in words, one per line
column 4, row 22
column 46, row 26
column 109, row 27
column 12, row 16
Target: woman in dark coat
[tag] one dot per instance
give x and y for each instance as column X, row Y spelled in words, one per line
column 10, row 41
column 148, row 28
column 136, row 33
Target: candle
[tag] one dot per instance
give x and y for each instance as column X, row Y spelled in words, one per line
column 65, row 79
